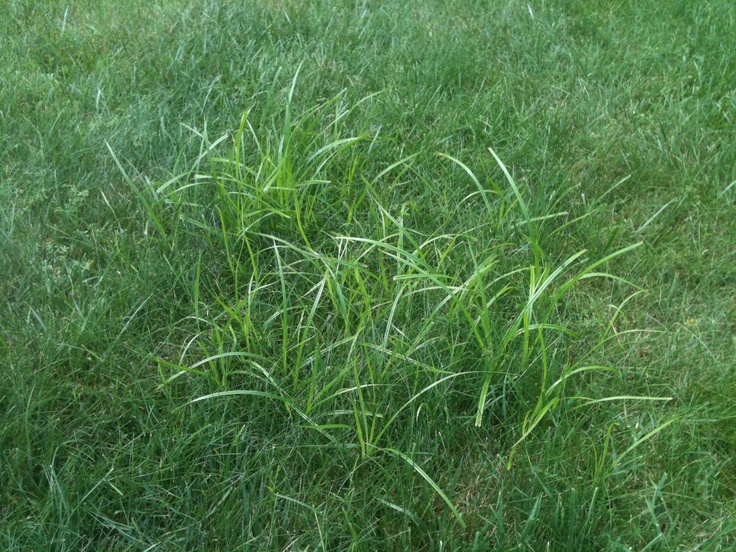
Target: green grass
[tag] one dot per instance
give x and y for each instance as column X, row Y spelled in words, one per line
column 367, row 276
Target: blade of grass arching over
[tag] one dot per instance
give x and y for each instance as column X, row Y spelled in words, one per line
column 536, row 291
column 641, row 440
column 531, row 420
column 587, row 272
column 239, row 145
column 411, row 515
column 333, row 148
column 391, row 314
column 537, row 286
column 104, row 356
column 231, row 261
column 726, row 189
column 361, row 414
column 408, row 403
column 205, row 151
column 588, row 401
column 423, row 270
column 180, row 371
column 488, row 351
column 298, row 502
column 285, row 143
column 241, row 392
column 429, row 480
column 237, row 354
column 519, row 198
column 599, row 198
column 651, row 219
column 569, row 373
column 284, row 314
column 304, row 337
column 618, row 309
column 481, row 190
column 571, row 222
column 195, row 287
column 361, row 429
column 391, row 167
column 479, row 272
column 150, row 209
column 288, row 403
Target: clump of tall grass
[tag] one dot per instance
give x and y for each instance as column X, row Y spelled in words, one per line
column 324, row 302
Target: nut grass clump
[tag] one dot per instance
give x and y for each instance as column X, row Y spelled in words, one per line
column 327, row 304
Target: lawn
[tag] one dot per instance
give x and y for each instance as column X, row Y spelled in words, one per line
column 442, row 275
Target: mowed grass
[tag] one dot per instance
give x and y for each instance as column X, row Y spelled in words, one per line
column 367, row 276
